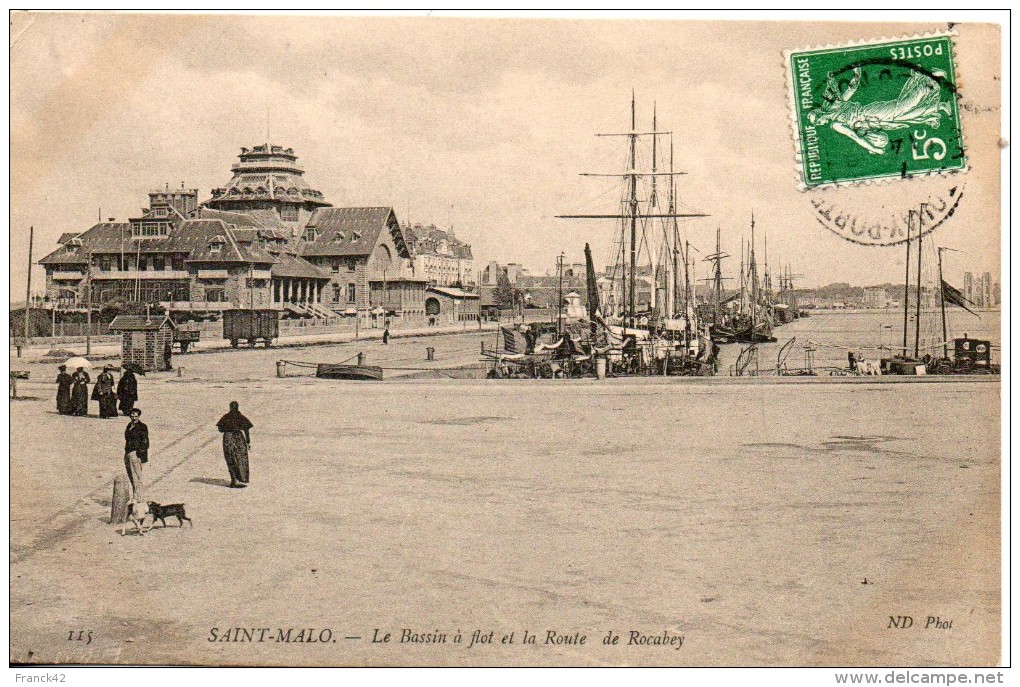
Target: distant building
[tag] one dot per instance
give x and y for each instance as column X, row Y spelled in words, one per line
column 439, row 256
column 875, row 298
column 986, row 290
column 513, row 271
column 968, row 287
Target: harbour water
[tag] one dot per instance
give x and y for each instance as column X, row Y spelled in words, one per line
column 870, row 332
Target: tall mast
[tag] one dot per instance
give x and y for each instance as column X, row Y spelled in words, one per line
column 906, row 286
column 670, row 242
column 917, row 322
column 652, row 205
column 743, row 284
column 754, row 280
column 942, row 298
column 687, row 295
column 632, row 297
column 559, row 302
column 630, row 210
column 718, row 271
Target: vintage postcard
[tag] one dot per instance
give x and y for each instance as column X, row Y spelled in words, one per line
column 433, row 341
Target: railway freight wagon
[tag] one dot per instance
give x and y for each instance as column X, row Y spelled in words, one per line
column 251, row 326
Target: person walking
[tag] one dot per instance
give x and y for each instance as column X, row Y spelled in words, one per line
column 127, row 391
column 64, row 382
column 236, row 442
column 136, row 452
column 168, row 352
column 80, row 392
column 386, row 336
column 104, row 392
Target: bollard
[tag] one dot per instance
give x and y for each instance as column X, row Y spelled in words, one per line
column 180, row 371
column 361, row 358
column 119, row 503
column 430, row 354
column 279, row 367
column 600, row 367
column 19, row 350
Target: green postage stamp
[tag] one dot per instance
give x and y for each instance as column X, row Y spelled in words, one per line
column 874, row 111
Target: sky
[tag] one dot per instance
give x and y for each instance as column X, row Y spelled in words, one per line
column 482, row 124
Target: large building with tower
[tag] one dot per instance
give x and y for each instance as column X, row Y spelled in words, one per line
column 265, row 240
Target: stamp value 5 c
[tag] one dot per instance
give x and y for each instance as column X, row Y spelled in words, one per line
column 875, row 111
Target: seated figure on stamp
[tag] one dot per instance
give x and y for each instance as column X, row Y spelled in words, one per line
column 917, row 104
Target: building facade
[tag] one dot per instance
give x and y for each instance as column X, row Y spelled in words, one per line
column 875, row 298
column 439, row 256
column 986, row 291
column 265, row 240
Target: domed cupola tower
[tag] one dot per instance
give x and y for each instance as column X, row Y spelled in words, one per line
column 268, row 182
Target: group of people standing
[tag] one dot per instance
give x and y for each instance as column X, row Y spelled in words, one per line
column 73, row 392
column 73, row 397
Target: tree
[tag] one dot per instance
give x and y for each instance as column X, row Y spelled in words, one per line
column 505, row 296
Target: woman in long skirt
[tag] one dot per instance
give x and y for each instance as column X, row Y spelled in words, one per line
column 104, row 392
column 80, row 392
column 127, row 391
column 64, row 382
column 236, row 442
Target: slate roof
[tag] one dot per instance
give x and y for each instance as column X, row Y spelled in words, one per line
column 288, row 265
column 105, row 237
column 238, row 219
column 192, row 236
column 351, row 231
column 67, row 236
column 453, row 292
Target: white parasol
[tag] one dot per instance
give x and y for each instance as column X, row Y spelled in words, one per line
column 76, row 362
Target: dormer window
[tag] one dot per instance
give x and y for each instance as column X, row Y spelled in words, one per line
column 289, row 213
column 160, row 212
column 216, row 245
column 339, row 237
column 355, row 236
column 310, row 234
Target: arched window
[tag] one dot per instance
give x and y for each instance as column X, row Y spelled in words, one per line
column 382, row 259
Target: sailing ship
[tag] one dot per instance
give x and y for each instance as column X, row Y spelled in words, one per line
column 657, row 332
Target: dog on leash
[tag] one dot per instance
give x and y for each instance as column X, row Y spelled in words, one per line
column 136, row 514
column 173, row 510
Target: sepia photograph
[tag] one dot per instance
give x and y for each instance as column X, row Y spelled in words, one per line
column 493, row 341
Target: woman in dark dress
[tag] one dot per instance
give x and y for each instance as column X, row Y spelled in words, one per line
column 127, row 391
column 236, row 442
column 80, row 392
column 64, row 382
column 103, row 392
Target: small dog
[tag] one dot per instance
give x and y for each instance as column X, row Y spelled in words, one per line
column 173, row 510
column 136, row 514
